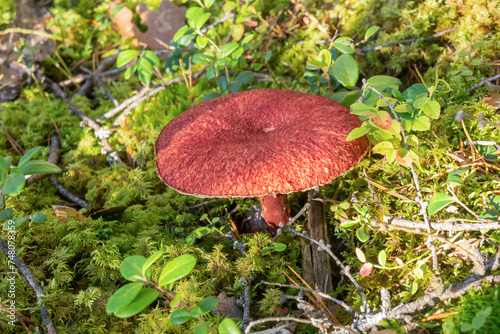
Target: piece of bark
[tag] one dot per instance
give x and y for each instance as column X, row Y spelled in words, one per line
column 316, row 263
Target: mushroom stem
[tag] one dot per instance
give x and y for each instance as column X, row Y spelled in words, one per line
column 275, row 209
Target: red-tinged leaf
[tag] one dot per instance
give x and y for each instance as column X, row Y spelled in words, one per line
column 399, row 261
column 403, row 157
column 366, row 269
column 382, row 119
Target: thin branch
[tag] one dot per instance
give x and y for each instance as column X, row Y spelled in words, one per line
column 152, row 92
column 99, row 81
column 32, row 282
column 378, row 47
column 63, row 191
column 344, row 269
column 479, row 84
column 449, row 225
column 449, row 292
column 123, row 105
column 319, row 293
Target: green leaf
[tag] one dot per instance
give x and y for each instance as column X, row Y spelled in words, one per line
column 315, row 61
column 116, row 10
column 382, row 258
column 346, row 98
column 123, row 296
column 201, row 41
column 176, row 269
column 362, row 109
column 423, row 123
column 383, row 147
column 151, row 57
column 195, row 312
column 178, row 317
column 480, row 318
column 131, row 268
column 208, row 304
column 28, row 155
column 381, row 82
column 143, row 299
column 346, row 71
column 193, row 13
column 145, row 75
column 126, row 57
column 14, row 184
column 208, row 3
column 357, row 133
column 39, row 167
column 227, row 326
column 363, row 234
column 348, row 223
column 268, row 56
column 466, row 327
column 222, row 84
column 201, row 329
column 152, row 259
column 38, row 217
column 3, row 165
column 6, row 214
column 234, row 86
column 455, row 177
column 277, row 246
column 413, row 287
column 403, row 108
column 180, row 33
column 265, row 251
column 344, row 45
column 201, row 20
column 211, row 96
column 369, row 33
column 432, row 109
column 478, row 44
column 228, row 49
column 245, row 77
column 468, row 37
column 325, row 58
column 437, row 202
column 413, row 91
column 176, row 301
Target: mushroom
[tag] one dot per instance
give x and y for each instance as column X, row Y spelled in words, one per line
column 262, row 143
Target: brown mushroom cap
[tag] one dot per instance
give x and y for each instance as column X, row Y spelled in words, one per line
column 258, row 142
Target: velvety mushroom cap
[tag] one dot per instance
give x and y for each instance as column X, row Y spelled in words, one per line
column 258, row 142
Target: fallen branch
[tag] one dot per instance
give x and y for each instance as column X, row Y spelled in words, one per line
column 33, row 283
column 123, row 105
column 449, row 225
column 53, row 158
column 411, row 40
column 152, row 92
column 63, row 191
column 449, row 292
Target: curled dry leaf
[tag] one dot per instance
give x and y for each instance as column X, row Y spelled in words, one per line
column 162, row 23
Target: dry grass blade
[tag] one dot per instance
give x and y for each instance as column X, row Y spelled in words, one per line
column 387, row 190
column 318, row 300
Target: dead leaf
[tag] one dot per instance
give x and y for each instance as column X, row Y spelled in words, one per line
column 64, row 212
column 162, row 23
column 493, row 100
